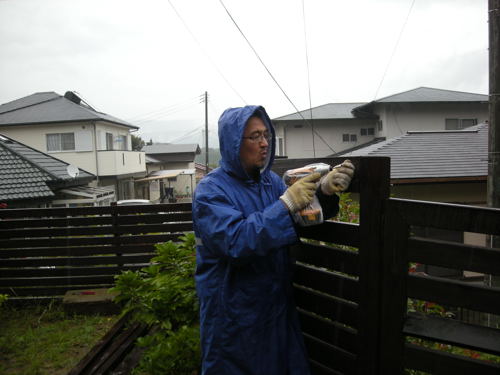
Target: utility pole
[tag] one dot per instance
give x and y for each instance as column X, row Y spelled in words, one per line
column 206, row 133
column 494, row 98
column 494, row 121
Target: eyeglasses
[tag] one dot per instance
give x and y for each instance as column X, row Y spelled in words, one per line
column 259, row 137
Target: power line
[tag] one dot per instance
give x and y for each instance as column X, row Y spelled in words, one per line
column 166, row 113
column 270, row 74
column 308, row 77
column 205, row 53
column 394, row 50
column 162, row 109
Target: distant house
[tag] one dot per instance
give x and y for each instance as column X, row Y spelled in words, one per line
column 30, row 178
column 442, row 166
column 170, row 172
column 342, row 126
column 68, row 128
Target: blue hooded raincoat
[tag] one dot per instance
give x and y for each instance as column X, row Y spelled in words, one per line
column 248, row 320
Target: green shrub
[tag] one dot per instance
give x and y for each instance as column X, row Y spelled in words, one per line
column 163, row 295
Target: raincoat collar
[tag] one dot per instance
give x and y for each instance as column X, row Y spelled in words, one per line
column 231, row 128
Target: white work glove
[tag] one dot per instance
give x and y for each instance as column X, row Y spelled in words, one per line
column 301, row 193
column 338, row 179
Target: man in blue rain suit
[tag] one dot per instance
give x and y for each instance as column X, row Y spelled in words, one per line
column 243, row 227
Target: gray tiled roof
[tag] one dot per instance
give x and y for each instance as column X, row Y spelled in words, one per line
column 50, row 107
column 171, row 148
column 457, row 153
column 428, row 94
column 326, row 111
column 26, row 173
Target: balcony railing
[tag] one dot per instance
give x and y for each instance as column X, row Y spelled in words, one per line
column 116, row 162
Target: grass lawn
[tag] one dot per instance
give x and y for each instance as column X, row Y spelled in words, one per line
column 44, row 340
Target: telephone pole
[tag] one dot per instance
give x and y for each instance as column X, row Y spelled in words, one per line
column 494, row 108
column 206, row 133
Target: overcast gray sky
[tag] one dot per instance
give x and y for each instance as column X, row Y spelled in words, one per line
column 136, row 60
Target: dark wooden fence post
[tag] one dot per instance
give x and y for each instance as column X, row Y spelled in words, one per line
column 374, row 179
column 394, row 273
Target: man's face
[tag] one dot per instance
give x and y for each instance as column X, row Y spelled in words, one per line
column 253, row 153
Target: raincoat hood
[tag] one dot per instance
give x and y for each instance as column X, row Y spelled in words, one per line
column 231, row 129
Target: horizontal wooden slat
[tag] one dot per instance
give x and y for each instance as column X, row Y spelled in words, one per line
column 454, row 255
column 79, row 261
column 68, row 271
column 328, row 331
column 53, row 281
column 454, row 293
column 155, row 228
column 98, row 210
column 330, row 356
column 326, row 282
column 75, row 251
column 83, row 241
column 328, row 307
column 52, row 222
column 319, row 369
column 327, row 257
column 58, row 232
column 448, row 216
column 154, row 218
column 332, row 232
column 47, row 291
column 453, row 332
column 440, row 362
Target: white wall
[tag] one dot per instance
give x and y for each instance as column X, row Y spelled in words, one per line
column 399, row 118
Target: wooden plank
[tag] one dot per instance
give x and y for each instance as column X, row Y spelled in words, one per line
column 330, row 356
column 53, row 222
column 454, row 293
column 154, row 228
column 326, row 282
column 332, row 232
column 97, row 210
column 318, row 369
column 58, row 232
column 154, row 218
column 483, row 339
column 454, row 255
column 450, row 216
column 326, row 306
column 55, row 242
column 333, row 333
column 374, row 178
column 393, row 268
column 150, row 239
column 46, row 291
column 327, row 257
column 51, row 281
column 67, row 271
column 439, row 362
column 78, row 261
column 99, row 347
column 76, row 251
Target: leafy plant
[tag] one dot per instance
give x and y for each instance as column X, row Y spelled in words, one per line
column 3, row 298
column 163, row 295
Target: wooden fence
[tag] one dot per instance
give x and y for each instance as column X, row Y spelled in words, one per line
column 351, row 284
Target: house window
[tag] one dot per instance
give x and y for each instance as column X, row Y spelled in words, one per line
column 279, row 147
column 345, row 137
column 371, row 131
column 354, row 138
column 109, row 141
column 459, row 123
column 61, row 142
column 121, row 142
column 363, row 131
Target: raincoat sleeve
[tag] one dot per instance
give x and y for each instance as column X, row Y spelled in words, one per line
column 225, row 231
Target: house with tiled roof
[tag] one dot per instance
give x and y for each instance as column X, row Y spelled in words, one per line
column 444, row 166
column 69, row 129
column 31, row 178
column 335, row 127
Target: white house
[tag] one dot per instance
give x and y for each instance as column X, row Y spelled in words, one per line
column 68, row 128
column 337, row 127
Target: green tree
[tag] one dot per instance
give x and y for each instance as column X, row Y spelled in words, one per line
column 137, row 142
